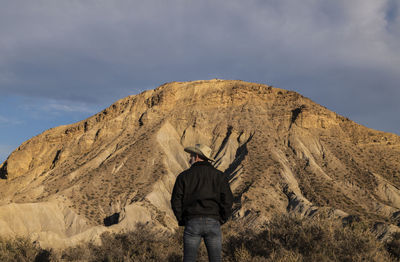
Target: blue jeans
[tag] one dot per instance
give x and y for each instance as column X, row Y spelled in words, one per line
column 202, row 227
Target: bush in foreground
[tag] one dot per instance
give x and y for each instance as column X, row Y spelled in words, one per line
column 393, row 246
column 288, row 238
column 139, row 245
column 21, row 249
column 284, row 238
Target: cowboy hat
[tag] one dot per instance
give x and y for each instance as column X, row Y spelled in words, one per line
column 201, row 150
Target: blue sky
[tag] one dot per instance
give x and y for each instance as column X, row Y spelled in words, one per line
column 63, row 61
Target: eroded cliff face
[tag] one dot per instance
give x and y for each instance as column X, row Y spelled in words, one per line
column 281, row 151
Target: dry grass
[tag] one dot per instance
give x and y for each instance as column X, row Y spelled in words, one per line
column 140, row 245
column 393, row 246
column 289, row 238
column 284, row 238
column 21, row 250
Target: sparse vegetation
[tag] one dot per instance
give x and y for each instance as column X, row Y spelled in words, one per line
column 294, row 239
column 284, row 238
column 393, row 246
column 21, row 250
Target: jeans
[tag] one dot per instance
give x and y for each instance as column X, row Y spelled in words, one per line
column 202, row 227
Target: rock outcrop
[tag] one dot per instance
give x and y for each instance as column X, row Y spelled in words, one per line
column 281, row 151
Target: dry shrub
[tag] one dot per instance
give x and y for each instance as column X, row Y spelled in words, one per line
column 77, row 253
column 138, row 245
column 393, row 246
column 284, row 238
column 290, row 238
column 21, row 249
column 283, row 255
column 242, row 254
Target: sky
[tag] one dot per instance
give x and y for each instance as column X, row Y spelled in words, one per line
column 63, row 61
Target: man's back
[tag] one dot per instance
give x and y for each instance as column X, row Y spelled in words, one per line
column 202, row 190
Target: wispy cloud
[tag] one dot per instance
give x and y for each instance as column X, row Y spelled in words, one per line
column 43, row 108
column 3, row 119
column 9, row 121
column 56, row 106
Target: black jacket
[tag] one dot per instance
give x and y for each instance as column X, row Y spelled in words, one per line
column 201, row 191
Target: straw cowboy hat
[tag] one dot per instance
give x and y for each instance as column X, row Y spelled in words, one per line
column 201, row 150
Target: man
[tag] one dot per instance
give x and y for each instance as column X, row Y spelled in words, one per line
column 202, row 202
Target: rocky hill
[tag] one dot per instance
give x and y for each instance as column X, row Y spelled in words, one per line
column 281, row 151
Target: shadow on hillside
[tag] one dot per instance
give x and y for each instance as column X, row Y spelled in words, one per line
column 3, row 171
column 111, row 220
column 241, row 153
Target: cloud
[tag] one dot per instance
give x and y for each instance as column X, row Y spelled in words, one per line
column 57, row 106
column 94, row 52
column 8, row 121
column 48, row 109
column 67, row 108
column 3, row 119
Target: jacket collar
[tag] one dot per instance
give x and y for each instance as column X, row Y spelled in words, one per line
column 201, row 163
